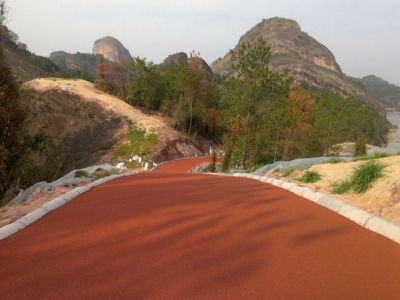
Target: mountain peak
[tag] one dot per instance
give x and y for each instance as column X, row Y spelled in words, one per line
column 111, row 49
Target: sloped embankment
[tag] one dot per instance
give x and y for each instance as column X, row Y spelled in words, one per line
column 87, row 123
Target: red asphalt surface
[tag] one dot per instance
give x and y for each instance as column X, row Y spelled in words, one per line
column 173, row 235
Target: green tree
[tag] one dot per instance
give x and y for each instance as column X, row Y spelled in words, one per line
column 16, row 143
column 146, row 87
column 191, row 95
column 255, row 103
column 12, row 115
column 335, row 119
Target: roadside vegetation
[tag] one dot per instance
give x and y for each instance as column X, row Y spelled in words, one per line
column 362, row 178
column 309, row 177
column 139, row 143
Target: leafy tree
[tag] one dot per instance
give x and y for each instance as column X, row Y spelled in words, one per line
column 104, row 76
column 335, row 119
column 191, row 95
column 297, row 134
column 12, row 115
column 255, row 105
column 121, row 71
column 15, row 142
column 146, row 88
column 4, row 9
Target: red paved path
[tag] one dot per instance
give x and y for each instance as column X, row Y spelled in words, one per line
column 171, row 235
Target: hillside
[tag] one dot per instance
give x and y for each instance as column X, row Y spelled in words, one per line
column 306, row 60
column 88, row 126
column 25, row 64
column 388, row 93
column 77, row 61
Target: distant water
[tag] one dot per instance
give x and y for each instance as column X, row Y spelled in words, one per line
column 395, row 120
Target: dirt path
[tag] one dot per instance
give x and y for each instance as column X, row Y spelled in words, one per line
column 173, row 235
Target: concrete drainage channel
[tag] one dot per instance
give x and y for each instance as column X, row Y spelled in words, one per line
column 357, row 215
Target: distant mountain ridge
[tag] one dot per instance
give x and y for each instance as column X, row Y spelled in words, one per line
column 388, row 93
column 108, row 47
column 306, row 60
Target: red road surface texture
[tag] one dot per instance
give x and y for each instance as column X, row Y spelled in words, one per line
column 173, row 235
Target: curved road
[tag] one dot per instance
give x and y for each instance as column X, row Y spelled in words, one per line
column 173, row 235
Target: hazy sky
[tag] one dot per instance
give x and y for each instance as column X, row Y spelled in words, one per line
column 363, row 35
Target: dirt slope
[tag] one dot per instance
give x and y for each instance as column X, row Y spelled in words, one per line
column 381, row 199
column 88, row 92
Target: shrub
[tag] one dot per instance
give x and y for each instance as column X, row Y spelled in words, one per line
column 81, row 173
column 360, row 147
column 366, row 174
column 310, row 177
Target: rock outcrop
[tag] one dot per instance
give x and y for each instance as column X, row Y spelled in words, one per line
column 111, row 49
column 305, row 58
column 177, row 58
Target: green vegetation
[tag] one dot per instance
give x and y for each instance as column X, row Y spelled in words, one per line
column 361, row 179
column 81, row 173
column 365, row 175
column 342, row 187
column 16, row 143
column 335, row 119
column 139, row 143
column 383, row 89
column 360, row 147
column 255, row 106
column 310, row 177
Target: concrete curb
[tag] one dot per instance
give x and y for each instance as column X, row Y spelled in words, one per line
column 359, row 216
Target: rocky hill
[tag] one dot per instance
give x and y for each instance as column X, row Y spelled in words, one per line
column 111, row 49
column 307, row 60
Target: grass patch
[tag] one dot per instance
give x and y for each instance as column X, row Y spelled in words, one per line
column 365, row 175
column 342, row 188
column 139, row 143
column 310, row 177
column 361, row 179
